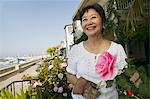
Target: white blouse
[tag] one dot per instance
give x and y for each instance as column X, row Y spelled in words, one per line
column 82, row 63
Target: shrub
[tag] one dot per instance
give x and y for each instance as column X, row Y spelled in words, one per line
column 54, row 81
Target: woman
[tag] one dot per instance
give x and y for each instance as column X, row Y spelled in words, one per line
column 88, row 66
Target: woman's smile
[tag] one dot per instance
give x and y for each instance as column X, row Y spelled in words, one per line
column 90, row 28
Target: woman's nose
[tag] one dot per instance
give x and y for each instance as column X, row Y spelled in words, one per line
column 89, row 22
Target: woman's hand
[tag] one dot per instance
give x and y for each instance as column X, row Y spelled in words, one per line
column 71, row 78
column 79, row 87
column 90, row 92
column 83, row 87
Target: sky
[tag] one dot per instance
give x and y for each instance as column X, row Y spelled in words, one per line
column 29, row 27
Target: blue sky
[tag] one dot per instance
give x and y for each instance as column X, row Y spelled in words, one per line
column 31, row 26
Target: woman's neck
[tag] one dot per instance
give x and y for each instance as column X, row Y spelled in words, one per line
column 96, row 44
column 95, row 40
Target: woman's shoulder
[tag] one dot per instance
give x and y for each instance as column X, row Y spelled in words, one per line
column 76, row 47
column 76, row 50
column 116, row 45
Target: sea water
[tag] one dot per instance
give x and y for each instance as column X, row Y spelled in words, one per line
column 10, row 61
column 7, row 62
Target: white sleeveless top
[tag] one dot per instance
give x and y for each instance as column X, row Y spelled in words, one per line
column 82, row 63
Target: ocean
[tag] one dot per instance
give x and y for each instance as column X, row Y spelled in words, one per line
column 11, row 61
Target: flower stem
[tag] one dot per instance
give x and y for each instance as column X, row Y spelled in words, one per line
column 136, row 97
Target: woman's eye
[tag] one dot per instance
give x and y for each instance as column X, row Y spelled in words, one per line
column 84, row 19
column 93, row 17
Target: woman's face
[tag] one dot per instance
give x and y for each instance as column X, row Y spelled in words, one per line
column 91, row 23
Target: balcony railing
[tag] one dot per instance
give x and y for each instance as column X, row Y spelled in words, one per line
column 123, row 4
column 16, row 86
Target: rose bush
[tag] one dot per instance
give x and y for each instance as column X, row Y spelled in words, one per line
column 55, row 85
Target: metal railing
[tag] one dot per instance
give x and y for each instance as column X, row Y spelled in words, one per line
column 16, row 86
column 13, row 88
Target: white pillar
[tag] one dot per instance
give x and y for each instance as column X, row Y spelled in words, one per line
column 17, row 67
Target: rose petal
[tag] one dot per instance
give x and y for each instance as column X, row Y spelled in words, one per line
column 105, row 66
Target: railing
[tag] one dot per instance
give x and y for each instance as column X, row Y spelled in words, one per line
column 123, row 4
column 16, row 86
column 11, row 71
column 13, row 89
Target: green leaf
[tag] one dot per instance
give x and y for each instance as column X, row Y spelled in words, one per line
column 125, row 97
column 6, row 94
column 3, row 93
column 1, row 97
column 144, row 78
column 144, row 90
column 121, row 80
column 38, row 94
column 23, row 96
column 141, row 69
column 109, row 83
column 29, row 90
column 129, row 71
column 17, row 96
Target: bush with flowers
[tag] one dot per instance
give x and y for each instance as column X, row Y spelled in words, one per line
column 53, row 78
column 132, row 82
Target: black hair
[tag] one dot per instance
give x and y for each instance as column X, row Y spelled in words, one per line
column 98, row 8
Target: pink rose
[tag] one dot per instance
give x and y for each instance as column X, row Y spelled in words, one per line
column 105, row 66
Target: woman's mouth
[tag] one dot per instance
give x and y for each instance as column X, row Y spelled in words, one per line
column 91, row 28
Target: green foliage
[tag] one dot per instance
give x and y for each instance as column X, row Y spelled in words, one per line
column 54, row 81
column 38, row 93
column 45, row 72
column 27, row 77
column 124, row 82
column 52, row 52
column 121, row 81
column 122, row 96
column 109, row 83
column 62, row 51
column 135, row 26
column 6, row 94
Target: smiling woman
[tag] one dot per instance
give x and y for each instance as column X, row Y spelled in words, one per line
column 93, row 62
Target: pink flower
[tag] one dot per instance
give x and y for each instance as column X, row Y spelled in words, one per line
column 105, row 66
column 60, row 89
column 70, row 86
column 63, row 65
